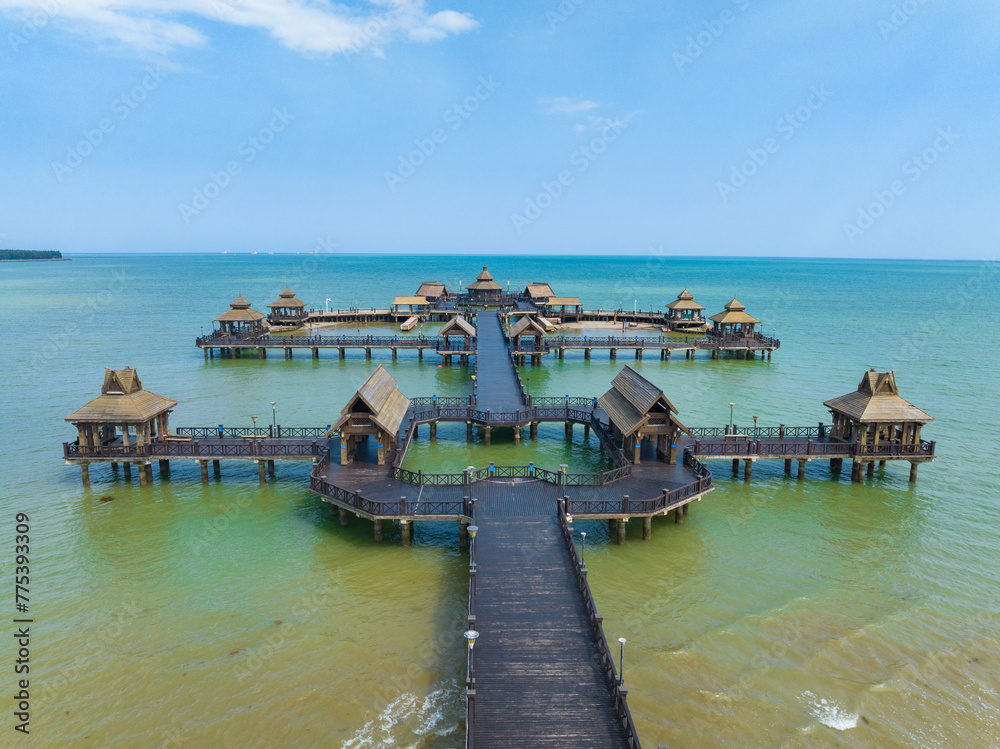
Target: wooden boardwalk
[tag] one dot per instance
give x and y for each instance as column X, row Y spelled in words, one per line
column 496, row 382
column 538, row 674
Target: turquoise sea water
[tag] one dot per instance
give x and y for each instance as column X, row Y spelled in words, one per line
column 781, row 614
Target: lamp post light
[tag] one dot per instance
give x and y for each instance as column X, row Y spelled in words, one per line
column 621, row 661
column 254, row 418
column 755, row 422
column 731, row 407
column 471, row 636
column 274, row 417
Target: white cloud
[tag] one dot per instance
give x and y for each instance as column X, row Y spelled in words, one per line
column 310, row 26
column 565, row 105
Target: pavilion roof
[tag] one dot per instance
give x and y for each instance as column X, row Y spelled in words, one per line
column 525, row 323
column 540, row 291
column 287, row 299
column 122, row 401
column 877, row 399
column 484, row 282
column 408, row 300
column 386, row 404
column 685, row 300
column 631, row 398
column 458, row 325
column 560, row 301
column 735, row 312
column 431, row 289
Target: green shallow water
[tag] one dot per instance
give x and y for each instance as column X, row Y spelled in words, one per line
column 780, row 614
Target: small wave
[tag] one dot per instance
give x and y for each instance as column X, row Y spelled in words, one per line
column 829, row 714
column 408, row 717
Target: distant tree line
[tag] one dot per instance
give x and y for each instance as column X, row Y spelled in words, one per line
column 30, row 255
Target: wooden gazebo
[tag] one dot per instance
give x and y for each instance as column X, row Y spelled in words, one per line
column 538, row 293
column 240, row 320
column 734, row 321
column 484, row 290
column 527, row 327
column 287, row 309
column 685, row 314
column 432, row 291
column 457, row 327
column 638, row 410
column 377, row 409
column 116, row 425
column 563, row 307
column 881, row 423
column 416, row 304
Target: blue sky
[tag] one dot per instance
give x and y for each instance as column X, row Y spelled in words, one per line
column 735, row 127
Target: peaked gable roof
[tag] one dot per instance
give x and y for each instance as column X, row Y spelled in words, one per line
column 484, row 282
column 122, row 401
column 735, row 312
column 685, row 300
column 877, row 399
column 457, row 325
column 630, row 400
column 431, row 289
column 525, row 323
column 538, row 291
column 386, row 404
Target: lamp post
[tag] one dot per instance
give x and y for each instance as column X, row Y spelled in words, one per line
column 583, row 549
column 755, row 423
column 731, row 407
column 274, row 417
column 328, row 304
column 473, row 530
column 621, row 661
column 470, row 637
column 254, row 418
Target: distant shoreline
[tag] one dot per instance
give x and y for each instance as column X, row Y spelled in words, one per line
column 37, row 260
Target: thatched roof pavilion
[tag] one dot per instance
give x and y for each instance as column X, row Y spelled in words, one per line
column 684, row 307
column 122, row 406
column 432, row 290
column 414, row 303
column 240, row 319
column 378, row 408
column 538, row 292
column 638, row 410
column 876, row 412
column 734, row 320
column 484, row 289
column 526, row 327
column 287, row 307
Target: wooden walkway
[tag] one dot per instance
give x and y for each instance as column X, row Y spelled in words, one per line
column 538, row 675
column 496, row 382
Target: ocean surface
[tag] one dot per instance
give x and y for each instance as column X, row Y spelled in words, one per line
column 781, row 614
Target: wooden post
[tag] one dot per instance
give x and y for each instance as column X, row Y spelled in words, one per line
column 463, row 534
column 468, row 431
column 802, row 470
column 517, row 435
column 270, row 467
column 128, row 470
column 736, row 466
column 205, row 351
column 204, row 471
column 394, row 353
column 686, row 508
column 621, row 531
column 586, row 431
column 368, row 357
column 378, row 530
column 85, row 473
column 913, row 472
column 613, row 353
column 586, row 354
column 678, row 516
column 870, row 470
column 748, row 468
column 857, row 472
column 164, row 467
column 487, row 435
column 315, row 352
column 647, row 528
column 433, row 430
column 261, row 470
column 406, row 530
column 216, row 467
column 344, row 515
column 533, row 430
column 343, row 352
column 788, row 465
column 569, row 430
column 143, row 478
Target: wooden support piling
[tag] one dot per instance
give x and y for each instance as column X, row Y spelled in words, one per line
column 463, row 534
column 270, row 467
column 747, row 469
column 621, row 531
column 647, row 528
column 913, row 472
column 378, row 530
column 802, row 470
column 406, row 531
column 85, row 473
column 216, row 467
column 344, row 516
column 262, row 470
column 128, row 470
column 204, row 471
column 164, row 467
column 788, row 465
column 736, row 466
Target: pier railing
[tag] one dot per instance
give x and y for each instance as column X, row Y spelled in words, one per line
column 619, row 691
column 275, row 431
column 369, row 341
column 195, row 448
